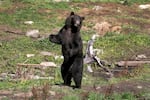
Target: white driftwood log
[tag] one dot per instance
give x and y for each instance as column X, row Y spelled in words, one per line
column 91, row 57
column 131, row 63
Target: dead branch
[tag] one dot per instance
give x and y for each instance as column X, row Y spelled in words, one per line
column 29, row 65
column 18, row 32
column 91, row 57
column 9, row 29
column 131, row 63
column 42, row 64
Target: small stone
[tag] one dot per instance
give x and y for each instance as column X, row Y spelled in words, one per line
column 98, row 87
column 23, row 95
column 141, row 56
column 12, row 75
column 1, row 44
column 53, row 93
column 48, row 64
column 3, row 97
column 94, row 36
column 89, row 69
column 33, row 33
column 30, row 55
column 28, row 22
column 102, row 28
column 97, row 8
column 59, row 57
column 45, row 53
column 6, row 92
column 3, row 74
column 116, row 29
column 139, row 87
column 60, row 0
column 146, row 6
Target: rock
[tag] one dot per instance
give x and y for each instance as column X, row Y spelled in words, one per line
column 97, row 8
column 1, row 44
column 53, row 93
column 48, row 64
column 118, row 10
column 116, row 29
column 1, row 2
column 98, row 87
column 5, row 92
column 139, row 87
column 124, row 2
column 61, row 0
column 105, row 27
column 28, row 22
column 30, row 55
column 12, row 75
column 59, row 57
column 89, row 69
column 141, row 56
column 102, row 28
column 33, row 33
column 3, row 75
column 38, row 77
column 45, row 53
column 23, row 95
column 94, row 36
column 146, row 6
column 84, row 42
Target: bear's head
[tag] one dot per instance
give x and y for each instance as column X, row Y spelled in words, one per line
column 74, row 20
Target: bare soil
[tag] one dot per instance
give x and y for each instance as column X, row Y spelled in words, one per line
column 135, row 87
column 113, row 13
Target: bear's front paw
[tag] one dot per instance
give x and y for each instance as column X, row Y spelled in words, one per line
column 54, row 39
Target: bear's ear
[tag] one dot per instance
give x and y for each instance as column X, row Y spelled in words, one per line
column 72, row 13
column 82, row 18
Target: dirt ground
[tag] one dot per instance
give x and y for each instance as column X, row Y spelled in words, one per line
column 109, row 12
column 113, row 13
column 134, row 87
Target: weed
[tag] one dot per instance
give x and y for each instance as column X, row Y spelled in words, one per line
column 13, row 48
column 95, row 96
column 71, row 97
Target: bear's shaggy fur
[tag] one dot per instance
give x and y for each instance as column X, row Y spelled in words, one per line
column 70, row 40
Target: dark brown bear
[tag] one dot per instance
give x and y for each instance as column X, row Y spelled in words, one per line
column 70, row 40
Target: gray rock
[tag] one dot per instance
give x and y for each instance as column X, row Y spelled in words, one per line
column 33, row 33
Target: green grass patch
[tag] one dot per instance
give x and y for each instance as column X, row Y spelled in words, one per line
column 46, row 18
column 114, row 96
column 13, row 52
column 23, row 85
column 129, row 1
column 117, row 46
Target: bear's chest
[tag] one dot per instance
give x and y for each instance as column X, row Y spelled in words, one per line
column 72, row 41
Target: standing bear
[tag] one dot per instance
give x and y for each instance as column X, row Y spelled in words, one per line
column 70, row 40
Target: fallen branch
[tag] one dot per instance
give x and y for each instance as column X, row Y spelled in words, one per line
column 11, row 30
column 131, row 63
column 29, row 65
column 40, row 66
column 15, row 32
column 91, row 57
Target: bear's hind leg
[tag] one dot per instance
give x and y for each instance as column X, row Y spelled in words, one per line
column 65, row 72
column 77, row 70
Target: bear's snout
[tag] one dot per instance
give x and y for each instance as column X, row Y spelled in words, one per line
column 77, row 23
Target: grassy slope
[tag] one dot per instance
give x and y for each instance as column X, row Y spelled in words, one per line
column 14, row 51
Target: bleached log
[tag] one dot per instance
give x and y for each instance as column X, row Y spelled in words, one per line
column 91, row 57
column 28, row 65
column 41, row 65
column 131, row 63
